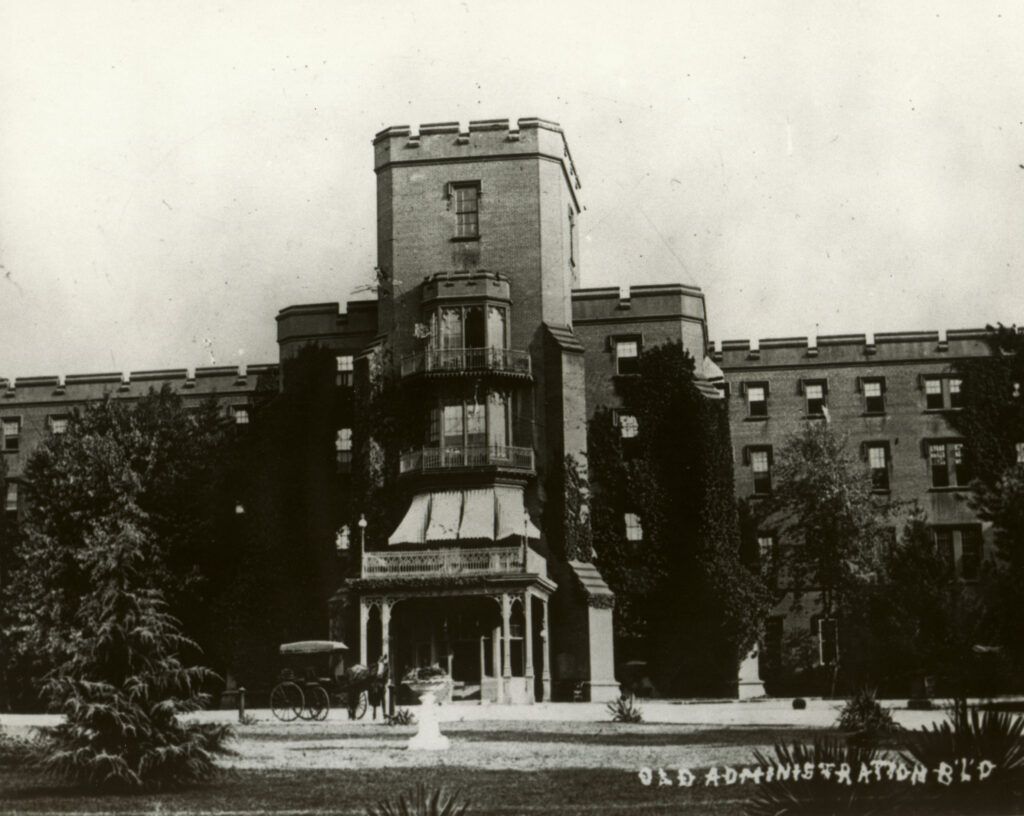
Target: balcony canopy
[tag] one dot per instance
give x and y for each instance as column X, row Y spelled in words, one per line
column 491, row 513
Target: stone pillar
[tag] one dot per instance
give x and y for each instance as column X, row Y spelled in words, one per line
column 528, row 645
column 506, row 635
column 748, row 681
column 545, row 633
column 385, row 645
column 364, row 620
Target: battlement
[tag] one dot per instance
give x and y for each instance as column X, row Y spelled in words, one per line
column 656, row 301
column 74, row 388
column 317, row 321
column 843, row 349
column 448, row 141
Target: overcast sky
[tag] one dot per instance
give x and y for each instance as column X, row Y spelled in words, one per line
column 172, row 174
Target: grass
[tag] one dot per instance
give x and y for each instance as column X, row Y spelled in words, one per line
column 579, row 791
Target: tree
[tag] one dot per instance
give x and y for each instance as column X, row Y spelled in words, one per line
column 123, row 684
column 154, row 454
column 992, row 424
column 830, row 526
column 685, row 601
column 916, row 621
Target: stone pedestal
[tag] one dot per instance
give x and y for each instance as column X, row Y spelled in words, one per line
column 428, row 737
column 748, row 681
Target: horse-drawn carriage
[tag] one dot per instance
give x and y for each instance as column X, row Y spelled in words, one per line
column 302, row 693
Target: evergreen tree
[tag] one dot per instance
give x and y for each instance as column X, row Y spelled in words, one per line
column 124, row 685
column 685, row 601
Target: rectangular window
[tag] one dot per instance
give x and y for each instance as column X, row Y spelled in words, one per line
column 938, row 463
column 497, row 421
column 944, row 542
column 757, row 401
column 343, row 447
column 827, row 631
column 874, row 397
column 58, row 425
column 815, row 394
column 346, row 366
column 453, row 425
column 933, row 394
column 970, row 552
column 467, row 210
column 11, row 427
column 768, row 549
column 947, row 464
column 629, row 427
column 878, row 462
column 1020, row 453
column 956, row 397
column 11, row 499
column 761, row 467
column 434, row 429
column 240, row 414
column 627, row 357
column 634, row 531
column 476, row 425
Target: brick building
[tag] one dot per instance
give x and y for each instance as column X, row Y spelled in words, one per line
column 481, row 320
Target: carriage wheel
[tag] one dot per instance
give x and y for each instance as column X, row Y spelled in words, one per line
column 286, row 701
column 318, row 703
column 360, row 707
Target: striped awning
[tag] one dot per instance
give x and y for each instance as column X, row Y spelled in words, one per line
column 490, row 513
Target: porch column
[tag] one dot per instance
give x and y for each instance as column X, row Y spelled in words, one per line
column 506, row 635
column 528, row 620
column 364, row 620
column 545, row 634
column 385, row 645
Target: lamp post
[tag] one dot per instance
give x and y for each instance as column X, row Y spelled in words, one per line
column 362, row 535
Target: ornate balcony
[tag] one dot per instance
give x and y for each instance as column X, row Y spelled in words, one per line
column 434, row 460
column 468, row 361
column 447, row 561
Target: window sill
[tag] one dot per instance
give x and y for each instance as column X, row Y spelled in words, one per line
column 465, row 239
column 812, row 417
column 874, row 414
column 941, row 410
column 755, row 419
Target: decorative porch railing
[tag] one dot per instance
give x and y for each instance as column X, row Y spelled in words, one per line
column 447, row 561
column 427, row 460
column 455, row 361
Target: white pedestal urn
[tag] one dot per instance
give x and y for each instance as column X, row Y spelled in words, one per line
column 429, row 684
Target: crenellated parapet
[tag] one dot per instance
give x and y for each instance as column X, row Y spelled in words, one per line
column 326, row 324
column 73, row 389
column 847, row 349
column 638, row 303
column 491, row 138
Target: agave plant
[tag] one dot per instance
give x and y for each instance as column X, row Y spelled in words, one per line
column 819, row 795
column 420, row 802
column 974, row 735
column 625, row 710
column 865, row 717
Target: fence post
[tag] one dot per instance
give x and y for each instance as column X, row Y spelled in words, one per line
column 241, row 704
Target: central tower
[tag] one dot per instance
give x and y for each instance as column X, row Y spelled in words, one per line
column 477, row 259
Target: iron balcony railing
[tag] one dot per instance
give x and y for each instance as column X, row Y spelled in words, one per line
column 447, row 561
column 426, row 460
column 432, row 361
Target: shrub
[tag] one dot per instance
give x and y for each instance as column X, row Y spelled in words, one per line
column 421, row 803
column 864, row 716
column 402, row 716
column 818, row 795
column 625, row 710
column 799, row 704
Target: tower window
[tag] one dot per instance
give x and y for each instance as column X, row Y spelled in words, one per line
column 933, row 394
column 467, row 210
column 815, row 393
column 761, row 468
